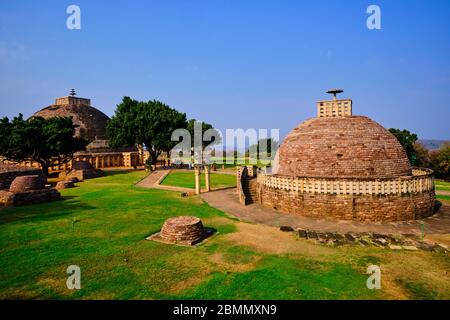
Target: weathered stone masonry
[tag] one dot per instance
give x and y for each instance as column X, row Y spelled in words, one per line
column 376, row 207
column 345, row 167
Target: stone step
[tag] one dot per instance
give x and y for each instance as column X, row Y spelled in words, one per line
column 251, row 194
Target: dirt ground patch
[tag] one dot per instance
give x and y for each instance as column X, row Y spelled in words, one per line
column 271, row 240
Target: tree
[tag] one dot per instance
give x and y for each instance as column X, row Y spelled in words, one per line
column 270, row 145
column 422, row 155
column 205, row 127
column 148, row 123
column 407, row 140
column 440, row 161
column 45, row 141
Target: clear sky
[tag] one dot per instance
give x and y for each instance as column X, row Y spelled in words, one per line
column 234, row 63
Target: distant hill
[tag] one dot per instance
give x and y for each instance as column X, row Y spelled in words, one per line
column 432, row 144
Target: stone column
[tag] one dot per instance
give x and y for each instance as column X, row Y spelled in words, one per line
column 208, row 177
column 197, row 169
column 96, row 162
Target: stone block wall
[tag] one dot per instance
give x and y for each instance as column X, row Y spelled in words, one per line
column 381, row 208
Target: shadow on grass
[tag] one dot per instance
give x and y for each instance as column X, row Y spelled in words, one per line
column 44, row 211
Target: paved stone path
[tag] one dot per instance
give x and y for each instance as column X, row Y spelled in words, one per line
column 443, row 192
column 154, row 179
column 227, row 201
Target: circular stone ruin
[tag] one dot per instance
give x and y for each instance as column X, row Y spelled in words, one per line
column 185, row 230
column 82, row 165
column 25, row 190
column 27, row 183
column 65, row 184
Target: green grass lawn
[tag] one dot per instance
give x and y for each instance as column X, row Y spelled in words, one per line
column 443, row 197
column 101, row 226
column 442, row 186
column 186, row 179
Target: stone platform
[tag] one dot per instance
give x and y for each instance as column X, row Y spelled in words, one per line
column 184, row 230
column 82, row 170
column 26, row 190
column 8, row 172
column 227, row 201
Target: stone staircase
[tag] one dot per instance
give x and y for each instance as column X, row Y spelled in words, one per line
column 249, row 187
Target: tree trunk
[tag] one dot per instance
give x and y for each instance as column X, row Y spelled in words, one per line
column 44, row 168
column 153, row 156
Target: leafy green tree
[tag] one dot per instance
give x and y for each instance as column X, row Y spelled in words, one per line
column 150, row 123
column 422, row 155
column 407, row 140
column 205, row 127
column 45, row 141
column 440, row 161
column 263, row 145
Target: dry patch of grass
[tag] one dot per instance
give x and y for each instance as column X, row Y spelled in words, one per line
column 423, row 271
column 270, row 240
column 439, row 238
column 226, row 264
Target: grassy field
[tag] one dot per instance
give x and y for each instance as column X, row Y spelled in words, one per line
column 101, row 226
column 186, row 179
column 445, row 187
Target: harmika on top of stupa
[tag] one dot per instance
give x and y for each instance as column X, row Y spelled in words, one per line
column 341, row 166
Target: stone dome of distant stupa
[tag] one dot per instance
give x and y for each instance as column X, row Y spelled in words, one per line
column 90, row 122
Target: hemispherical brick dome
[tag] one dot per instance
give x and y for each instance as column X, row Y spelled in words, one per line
column 353, row 146
column 90, row 122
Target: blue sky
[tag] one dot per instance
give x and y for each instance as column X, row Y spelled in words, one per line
column 235, row 64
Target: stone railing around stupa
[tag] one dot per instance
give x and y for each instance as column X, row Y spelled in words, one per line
column 420, row 181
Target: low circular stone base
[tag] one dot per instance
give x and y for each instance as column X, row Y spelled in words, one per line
column 64, row 185
column 375, row 208
column 6, row 198
column 184, row 230
column 9, row 172
column 27, row 183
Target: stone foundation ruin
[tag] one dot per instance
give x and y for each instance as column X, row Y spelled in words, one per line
column 82, row 170
column 26, row 190
column 67, row 184
column 184, row 230
column 8, row 172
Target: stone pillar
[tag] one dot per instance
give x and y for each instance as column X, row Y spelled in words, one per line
column 208, row 178
column 97, row 163
column 140, row 159
column 197, row 169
